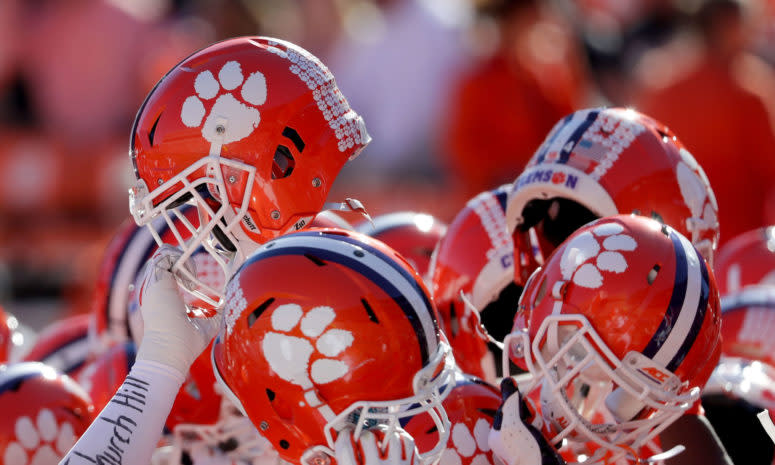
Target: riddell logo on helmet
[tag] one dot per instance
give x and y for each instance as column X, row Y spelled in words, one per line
column 548, row 176
column 248, row 221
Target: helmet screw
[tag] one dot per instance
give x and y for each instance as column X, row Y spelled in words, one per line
column 220, row 129
column 160, row 181
column 232, row 179
column 275, row 215
column 316, row 182
column 264, row 426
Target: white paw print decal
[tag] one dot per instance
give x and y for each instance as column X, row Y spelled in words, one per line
column 238, row 120
column 584, row 258
column 41, row 443
column 289, row 356
column 695, row 190
column 468, row 448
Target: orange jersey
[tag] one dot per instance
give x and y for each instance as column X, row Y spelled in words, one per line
column 721, row 115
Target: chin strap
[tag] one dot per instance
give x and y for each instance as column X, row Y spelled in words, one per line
column 349, row 205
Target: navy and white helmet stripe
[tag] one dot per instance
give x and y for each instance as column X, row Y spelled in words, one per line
column 567, row 133
column 397, row 282
column 15, row 373
column 688, row 304
column 136, row 251
column 753, row 296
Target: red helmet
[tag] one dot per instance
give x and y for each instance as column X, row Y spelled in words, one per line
column 743, row 383
column 122, row 265
column 198, row 400
column 251, row 130
column 232, row 439
column 603, row 161
column 745, row 260
column 749, row 323
column 470, row 405
column 44, row 413
column 64, row 345
column 475, row 256
column 413, row 235
column 313, row 322
column 102, row 377
column 623, row 319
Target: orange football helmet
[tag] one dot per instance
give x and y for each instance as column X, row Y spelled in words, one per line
column 470, row 405
column 64, row 345
column 623, row 320
column 122, row 264
column 603, row 161
column 102, row 377
column 44, row 413
column 749, row 323
column 476, row 256
column 743, row 382
column 413, row 235
column 251, row 130
column 745, row 260
column 313, row 322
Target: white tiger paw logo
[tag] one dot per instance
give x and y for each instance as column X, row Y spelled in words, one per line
column 41, row 443
column 229, row 118
column 473, row 449
column 696, row 191
column 289, row 356
column 584, row 258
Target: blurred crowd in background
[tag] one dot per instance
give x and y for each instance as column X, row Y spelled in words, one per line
column 457, row 94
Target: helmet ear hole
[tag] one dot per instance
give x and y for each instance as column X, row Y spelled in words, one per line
column 283, row 163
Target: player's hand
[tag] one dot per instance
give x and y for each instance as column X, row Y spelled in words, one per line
column 399, row 448
column 170, row 336
column 513, row 439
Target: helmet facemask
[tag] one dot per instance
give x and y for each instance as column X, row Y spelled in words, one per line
column 589, row 395
column 232, row 436
column 219, row 233
column 431, row 385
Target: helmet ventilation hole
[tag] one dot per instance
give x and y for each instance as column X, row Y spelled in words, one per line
column 453, row 322
column 258, row 311
column 369, row 311
column 152, row 132
column 652, row 276
column 316, row 260
column 283, row 163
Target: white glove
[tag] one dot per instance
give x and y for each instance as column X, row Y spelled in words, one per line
column 366, row 450
column 170, row 336
column 514, row 440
